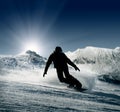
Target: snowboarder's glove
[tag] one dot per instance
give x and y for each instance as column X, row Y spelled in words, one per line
column 76, row 68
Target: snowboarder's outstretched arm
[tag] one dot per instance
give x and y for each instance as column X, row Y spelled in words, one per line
column 72, row 64
column 47, row 65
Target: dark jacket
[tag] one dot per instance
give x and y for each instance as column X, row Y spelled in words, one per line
column 60, row 61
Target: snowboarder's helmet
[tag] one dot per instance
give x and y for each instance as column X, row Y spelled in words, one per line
column 58, row 49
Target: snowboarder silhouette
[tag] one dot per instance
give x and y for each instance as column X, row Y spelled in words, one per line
column 60, row 61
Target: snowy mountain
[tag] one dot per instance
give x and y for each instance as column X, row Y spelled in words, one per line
column 25, row 61
column 103, row 61
column 100, row 58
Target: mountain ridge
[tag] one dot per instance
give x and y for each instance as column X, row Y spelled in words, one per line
column 29, row 59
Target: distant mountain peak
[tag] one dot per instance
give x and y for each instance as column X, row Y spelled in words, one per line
column 32, row 53
column 29, row 59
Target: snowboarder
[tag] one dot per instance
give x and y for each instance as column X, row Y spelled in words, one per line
column 60, row 61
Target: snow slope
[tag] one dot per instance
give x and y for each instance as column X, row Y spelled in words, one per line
column 23, row 88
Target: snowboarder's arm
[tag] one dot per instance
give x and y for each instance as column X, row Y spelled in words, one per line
column 47, row 65
column 72, row 64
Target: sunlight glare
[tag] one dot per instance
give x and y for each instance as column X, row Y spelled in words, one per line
column 33, row 46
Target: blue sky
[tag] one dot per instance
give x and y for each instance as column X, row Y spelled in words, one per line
column 71, row 24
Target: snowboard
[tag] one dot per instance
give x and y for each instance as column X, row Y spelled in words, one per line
column 80, row 90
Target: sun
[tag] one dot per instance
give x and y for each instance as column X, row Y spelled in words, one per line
column 32, row 41
column 33, row 46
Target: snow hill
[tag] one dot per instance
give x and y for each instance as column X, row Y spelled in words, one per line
column 29, row 60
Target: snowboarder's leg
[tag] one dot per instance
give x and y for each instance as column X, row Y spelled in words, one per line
column 74, row 81
column 61, row 77
column 71, row 80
